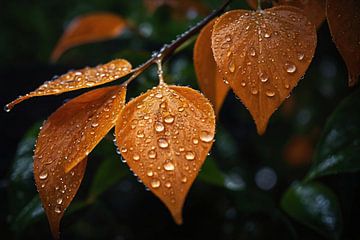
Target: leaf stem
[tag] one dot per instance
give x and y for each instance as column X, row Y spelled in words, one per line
column 259, row 5
column 168, row 49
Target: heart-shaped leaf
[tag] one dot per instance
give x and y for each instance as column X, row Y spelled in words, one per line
column 263, row 55
column 165, row 136
column 339, row 147
column 316, row 206
column 83, row 78
column 344, row 23
column 208, row 75
column 64, row 142
column 89, row 28
column 314, row 9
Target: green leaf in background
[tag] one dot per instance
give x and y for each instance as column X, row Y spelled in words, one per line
column 210, row 173
column 314, row 205
column 110, row 170
column 339, row 147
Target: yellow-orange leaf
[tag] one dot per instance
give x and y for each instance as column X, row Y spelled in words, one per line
column 263, row 55
column 314, row 9
column 165, row 136
column 83, row 78
column 208, row 75
column 89, row 28
column 65, row 140
column 344, row 23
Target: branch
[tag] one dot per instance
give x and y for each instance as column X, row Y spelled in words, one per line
column 168, row 49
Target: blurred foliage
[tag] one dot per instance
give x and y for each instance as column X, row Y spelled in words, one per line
column 246, row 177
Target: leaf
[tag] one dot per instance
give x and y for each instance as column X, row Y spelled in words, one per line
column 208, row 75
column 344, row 23
column 83, row 78
column 314, row 9
column 89, row 28
column 64, row 142
column 316, row 206
column 339, row 147
column 263, row 55
column 165, row 135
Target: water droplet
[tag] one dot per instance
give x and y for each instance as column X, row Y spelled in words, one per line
column 150, row 173
column 59, row 201
column 190, row 156
column 205, row 136
column 263, row 77
column 267, row 35
column 243, row 84
column 159, row 127
column 168, row 184
column 136, row 157
column 94, row 125
column 140, row 134
column 287, row 86
column 270, row 93
column 169, row 119
column 158, row 95
column 163, row 143
column 232, row 66
column 195, row 141
column 252, row 52
column 43, row 175
column 155, row 183
column 57, row 209
column 181, row 109
column 169, row 166
column 184, row 179
column 123, row 149
column 290, row 67
column 7, row 108
column 228, row 38
column 254, row 91
column 152, row 154
column 301, row 56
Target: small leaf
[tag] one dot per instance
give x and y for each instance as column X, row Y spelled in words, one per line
column 165, row 136
column 263, row 55
column 339, row 147
column 344, row 23
column 65, row 140
column 314, row 9
column 89, row 28
column 83, row 78
column 208, row 75
column 316, row 206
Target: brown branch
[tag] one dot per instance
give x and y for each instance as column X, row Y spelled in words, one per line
column 168, row 49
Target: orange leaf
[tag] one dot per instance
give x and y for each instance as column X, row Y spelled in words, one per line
column 83, row 78
column 208, row 75
column 314, row 9
column 89, row 28
column 65, row 140
column 165, row 136
column 344, row 23
column 263, row 55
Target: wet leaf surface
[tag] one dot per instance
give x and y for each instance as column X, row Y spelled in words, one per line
column 89, row 28
column 316, row 206
column 209, row 76
column 165, row 136
column 83, row 78
column 339, row 147
column 263, row 55
column 344, row 23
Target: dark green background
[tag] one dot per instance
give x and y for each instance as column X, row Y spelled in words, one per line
column 221, row 205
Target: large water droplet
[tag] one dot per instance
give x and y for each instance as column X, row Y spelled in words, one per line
column 206, row 136
column 290, row 67
column 190, row 156
column 169, row 166
column 136, row 157
column 43, row 175
column 169, row 119
column 270, row 93
column 263, row 77
column 159, row 127
column 150, row 173
column 59, row 201
column 155, row 183
column 163, row 143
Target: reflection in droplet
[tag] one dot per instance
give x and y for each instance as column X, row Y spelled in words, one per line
column 159, row 127
column 290, row 67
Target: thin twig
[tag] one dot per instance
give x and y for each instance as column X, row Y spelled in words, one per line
column 168, row 49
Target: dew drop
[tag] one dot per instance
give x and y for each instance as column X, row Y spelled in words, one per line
column 231, row 66
column 181, row 109
column 184, row 179
column 150, row 173
column 159, row 127
column 169, row 119
column 228, row 38
column 43, row 175
column 57, row 210
column 287, row 86
column 205, row 136
column 252, row 52
column 152, row 154
column 163, row 143
column 136, row 157
column 94, row 125
column 263, row 77
column 169, row 166
column 290, row 67
column 168, row 184
column 190, row 156
column 59, row 201
column 7, row 108
column 155, row 183
column 254, row 91
column 301, row 56
column 270, row 93
column 123, row 150
column 195, row 141
column 267, row 35
column 140, row 134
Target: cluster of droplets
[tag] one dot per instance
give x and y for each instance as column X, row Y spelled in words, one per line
column 274, row 37
column 161, row 124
